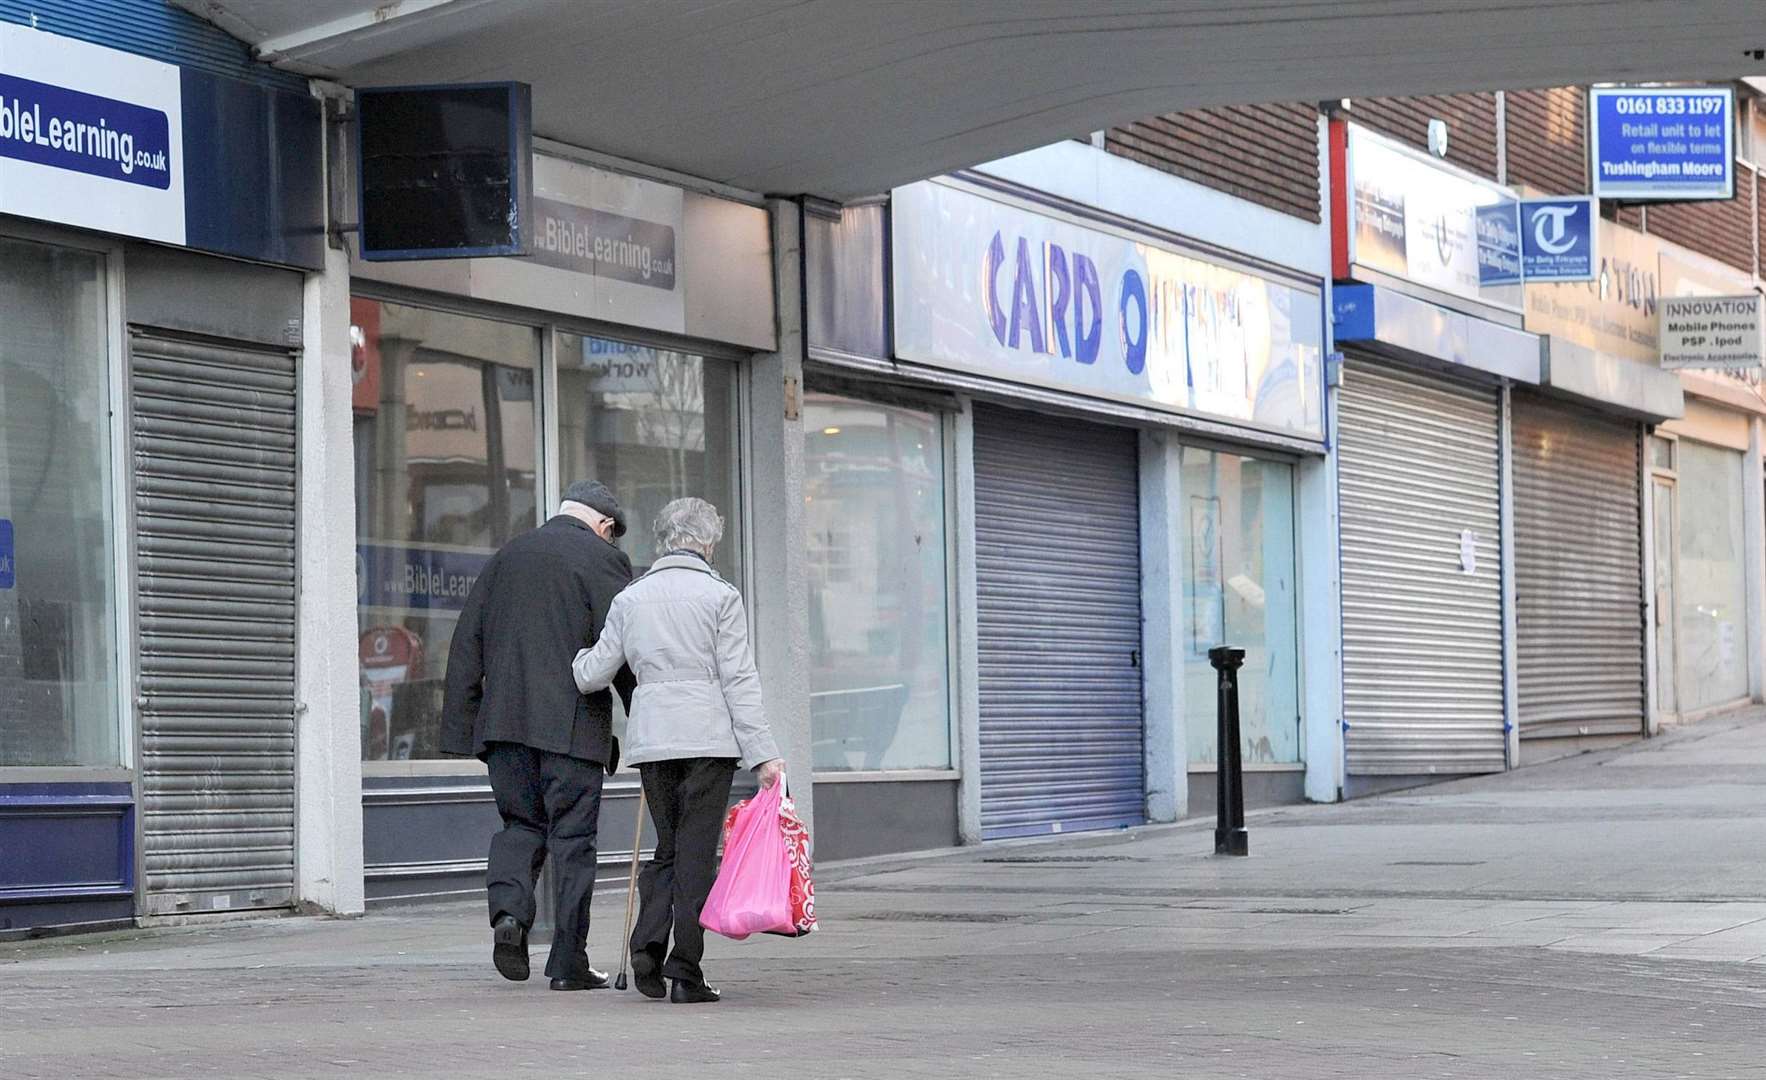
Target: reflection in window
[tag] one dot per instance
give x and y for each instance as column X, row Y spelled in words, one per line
column 878, row 588
column 1238, row 589
column 653, row 425
column 1711, row 588
column 58, row 682
column 446, row 453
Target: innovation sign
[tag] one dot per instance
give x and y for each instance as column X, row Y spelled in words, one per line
column 90, row 136
column 982, row 284
column 1711, row 332
column 1662, row 143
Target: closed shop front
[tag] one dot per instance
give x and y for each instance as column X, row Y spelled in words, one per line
column 1578, row 573
column 1702, row 582
column 1131, row 423
column 1418, row 460
column 151, row 333
column 1058, row 618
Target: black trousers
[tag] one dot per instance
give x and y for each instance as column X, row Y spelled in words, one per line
column 551, row 804
column 687, row 799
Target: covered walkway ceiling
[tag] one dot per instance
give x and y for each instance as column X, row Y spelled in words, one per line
column 849, row 97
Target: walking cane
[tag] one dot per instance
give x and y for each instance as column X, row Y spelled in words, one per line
column 631, row 892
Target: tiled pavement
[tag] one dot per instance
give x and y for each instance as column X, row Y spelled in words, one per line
column 1603, row 916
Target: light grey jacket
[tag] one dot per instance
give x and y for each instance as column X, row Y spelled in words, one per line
column 684, row 631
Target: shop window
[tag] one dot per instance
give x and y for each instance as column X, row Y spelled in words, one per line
column 653, row 425
column 447, row 444
column 58, row 670
column 1239, row 589
column 879, row 597
column 1711, row 587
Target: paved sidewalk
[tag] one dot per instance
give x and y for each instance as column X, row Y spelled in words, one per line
column 1602, row 916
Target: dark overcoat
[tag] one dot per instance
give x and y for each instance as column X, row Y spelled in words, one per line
column 540, row 599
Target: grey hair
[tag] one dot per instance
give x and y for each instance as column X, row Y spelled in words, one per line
column 689, row 523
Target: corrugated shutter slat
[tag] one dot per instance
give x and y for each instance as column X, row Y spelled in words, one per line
column 214, row 520
column 1578, row 572
column 1418, row 463
column 1059, row 624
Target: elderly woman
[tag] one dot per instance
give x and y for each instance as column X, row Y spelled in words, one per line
column 696, row 711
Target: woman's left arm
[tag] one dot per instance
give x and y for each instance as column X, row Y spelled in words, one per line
column 596, row 668
column 741, row 684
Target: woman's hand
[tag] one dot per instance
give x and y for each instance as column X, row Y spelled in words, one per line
column 770, row 772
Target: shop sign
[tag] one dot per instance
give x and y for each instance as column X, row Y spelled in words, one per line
column 1711, row 332
column 1416, row 219
column 90, row 136
column 614, row 246
column 985, row 285
column 1662, row 143
column 101, row 139
column 8, row 566
column 624, row 250
column 1558, row 239
column 1615, row 312
column 415, row 578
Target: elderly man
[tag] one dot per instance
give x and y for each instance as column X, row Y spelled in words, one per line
column 511, row 702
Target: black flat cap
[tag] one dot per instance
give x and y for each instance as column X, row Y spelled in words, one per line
column 594, row 494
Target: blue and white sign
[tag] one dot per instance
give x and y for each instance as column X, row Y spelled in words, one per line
column 1662, row 143
column 1499, row 244
column 416, row 578
column 8, row 567
column 90, row 137
column 1557, row 239
column 987, row 286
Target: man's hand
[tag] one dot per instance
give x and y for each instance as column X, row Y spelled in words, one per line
column 770, row 772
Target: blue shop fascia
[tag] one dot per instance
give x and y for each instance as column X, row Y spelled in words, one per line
column 161, row 205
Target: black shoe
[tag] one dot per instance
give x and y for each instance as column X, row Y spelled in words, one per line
column 693, row 993
column 509, row 952
column 596, row 980
column 647, row 976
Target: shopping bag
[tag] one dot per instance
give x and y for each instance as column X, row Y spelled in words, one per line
column 752, row 894
column 803, row 889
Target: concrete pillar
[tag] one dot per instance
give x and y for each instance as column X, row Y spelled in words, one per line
column 1162, row 661
column 1511, row 667
column 1319, row 553
column 779, row 598
column 1651, row 670
column 968, row 718
column 328, row 769
column 1753, row 501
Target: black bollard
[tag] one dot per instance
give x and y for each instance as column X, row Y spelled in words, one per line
column 1229, row 829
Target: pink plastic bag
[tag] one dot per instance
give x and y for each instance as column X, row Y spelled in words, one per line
column 753, row 890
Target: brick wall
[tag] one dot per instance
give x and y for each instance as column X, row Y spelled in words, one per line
column 1471, row 125
column 1723, row 230
column 1547, row 139
column 1264, row 154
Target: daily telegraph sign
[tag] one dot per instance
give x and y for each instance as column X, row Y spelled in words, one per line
column 90, row 136
column 1662, row 143
column 988, row 286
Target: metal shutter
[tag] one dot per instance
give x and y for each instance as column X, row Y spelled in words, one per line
column 1057, row 543
column 1418, row 466
column 1578, row 572
column 214, row 496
